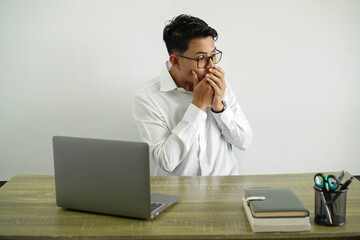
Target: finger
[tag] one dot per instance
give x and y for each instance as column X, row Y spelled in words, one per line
column 216, row 79
column 220, row 69
column 220, row 74
column 216, row 88
column 217, row 73
column 195, row 78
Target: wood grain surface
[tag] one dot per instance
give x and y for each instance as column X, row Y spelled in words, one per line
column 208, row 208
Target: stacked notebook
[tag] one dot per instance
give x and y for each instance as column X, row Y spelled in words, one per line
column 275, row 210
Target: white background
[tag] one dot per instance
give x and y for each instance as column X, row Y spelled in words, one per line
column 71, row 68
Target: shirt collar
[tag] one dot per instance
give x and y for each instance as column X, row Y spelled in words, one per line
column 167, row 83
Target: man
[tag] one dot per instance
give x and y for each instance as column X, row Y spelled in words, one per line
column 188, row 115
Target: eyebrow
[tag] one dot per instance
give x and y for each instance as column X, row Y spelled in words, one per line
column 204, row 52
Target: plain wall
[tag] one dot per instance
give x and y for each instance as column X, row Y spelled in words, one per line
column 71, row 68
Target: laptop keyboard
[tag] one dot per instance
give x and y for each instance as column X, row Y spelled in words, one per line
column 155, row 206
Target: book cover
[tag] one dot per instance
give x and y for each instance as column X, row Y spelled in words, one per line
column 282, row 224
column 279, row 202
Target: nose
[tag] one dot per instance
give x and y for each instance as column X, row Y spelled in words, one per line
column 210, row 64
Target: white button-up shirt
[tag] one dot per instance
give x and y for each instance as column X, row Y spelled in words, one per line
column 183, row 139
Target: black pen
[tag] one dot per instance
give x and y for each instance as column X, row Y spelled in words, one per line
column 346, row 184
column 343, row 187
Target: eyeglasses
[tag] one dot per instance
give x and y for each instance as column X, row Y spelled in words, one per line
column 203, row 61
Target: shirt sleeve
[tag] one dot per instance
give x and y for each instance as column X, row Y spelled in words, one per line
column 234, row 126
column 168, row 147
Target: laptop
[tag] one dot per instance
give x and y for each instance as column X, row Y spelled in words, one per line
column 106, row 176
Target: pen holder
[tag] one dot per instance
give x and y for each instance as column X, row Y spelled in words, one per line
column 330, row 207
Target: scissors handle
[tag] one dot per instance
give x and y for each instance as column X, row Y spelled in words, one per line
column 327, row 182
column 333, row 182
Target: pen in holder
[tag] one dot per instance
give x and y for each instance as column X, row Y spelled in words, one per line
column 330, row 207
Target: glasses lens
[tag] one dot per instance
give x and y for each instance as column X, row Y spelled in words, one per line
column 202, row 62
column 217, row 57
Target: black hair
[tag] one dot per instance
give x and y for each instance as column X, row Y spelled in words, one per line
column 183, row 28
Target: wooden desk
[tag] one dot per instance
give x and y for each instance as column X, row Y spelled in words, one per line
column 209, row 208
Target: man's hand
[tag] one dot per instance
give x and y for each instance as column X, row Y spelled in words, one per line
column 203, row 93
column 216, row 78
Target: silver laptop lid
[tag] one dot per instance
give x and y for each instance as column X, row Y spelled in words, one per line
column 104, row 176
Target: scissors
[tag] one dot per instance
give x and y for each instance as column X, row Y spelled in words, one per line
column 327, row 182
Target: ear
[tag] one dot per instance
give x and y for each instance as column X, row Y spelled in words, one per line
column 175, row 61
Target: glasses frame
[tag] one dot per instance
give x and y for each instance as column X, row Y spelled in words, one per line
column 197, row 60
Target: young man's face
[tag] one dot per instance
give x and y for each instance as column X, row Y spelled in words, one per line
column 197, row 47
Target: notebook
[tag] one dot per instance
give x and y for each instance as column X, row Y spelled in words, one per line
column 276, row 224
column 106, row 176
column 279, row 202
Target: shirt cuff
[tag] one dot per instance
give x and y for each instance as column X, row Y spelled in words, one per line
column 225, row 117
